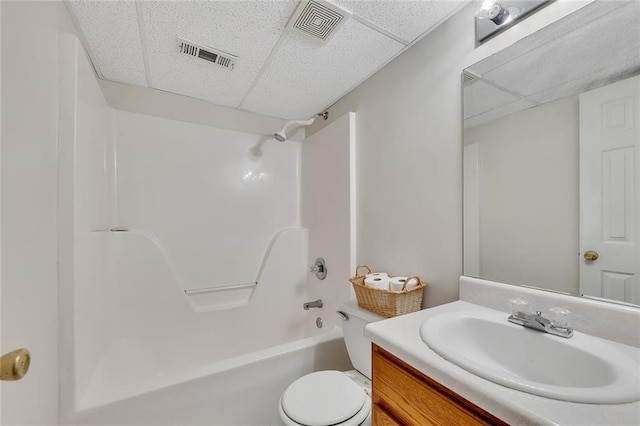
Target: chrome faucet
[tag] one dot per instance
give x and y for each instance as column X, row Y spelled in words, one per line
column 314, row 304
column 556, row 326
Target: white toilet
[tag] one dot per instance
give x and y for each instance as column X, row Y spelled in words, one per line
column 333, row 397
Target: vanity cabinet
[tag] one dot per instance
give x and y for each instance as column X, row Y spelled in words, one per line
column 404, row 396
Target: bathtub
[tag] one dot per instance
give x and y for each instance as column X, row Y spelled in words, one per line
column 142, row 353
column 243, row 390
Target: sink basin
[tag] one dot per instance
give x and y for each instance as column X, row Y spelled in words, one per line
column 582, row 369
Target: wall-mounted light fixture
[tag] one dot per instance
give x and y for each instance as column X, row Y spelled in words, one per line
column 493, row 10
column 495, row 16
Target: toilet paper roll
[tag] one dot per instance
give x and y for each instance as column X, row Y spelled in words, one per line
column 396, row 283
column 377, row 274
column 377, row 281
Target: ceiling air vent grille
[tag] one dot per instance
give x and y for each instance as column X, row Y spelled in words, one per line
column 317, row 19
column 210, row 54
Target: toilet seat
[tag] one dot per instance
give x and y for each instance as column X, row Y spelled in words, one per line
column 324, row 398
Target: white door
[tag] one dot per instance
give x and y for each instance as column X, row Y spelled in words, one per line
column 29, row 317
column 610, row 191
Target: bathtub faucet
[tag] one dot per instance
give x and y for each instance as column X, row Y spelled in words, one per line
column 314, row 304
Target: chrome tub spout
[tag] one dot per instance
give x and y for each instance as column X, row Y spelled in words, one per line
column 314, row 304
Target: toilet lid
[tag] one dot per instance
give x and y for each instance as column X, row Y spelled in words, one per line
column 323, row 398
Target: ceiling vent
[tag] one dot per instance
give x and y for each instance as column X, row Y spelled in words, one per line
column 318, row 20
column 210, row 54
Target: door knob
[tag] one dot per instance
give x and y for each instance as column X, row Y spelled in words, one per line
column 14, row 365
column 590, row 256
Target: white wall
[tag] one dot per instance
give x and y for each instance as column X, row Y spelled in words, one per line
column 410, row 151
column 528, row 196
column 328, row 211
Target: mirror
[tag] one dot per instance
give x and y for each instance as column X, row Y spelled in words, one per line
column 552, row 157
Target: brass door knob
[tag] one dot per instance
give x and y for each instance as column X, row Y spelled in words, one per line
column 14, row 365
column 590, row 256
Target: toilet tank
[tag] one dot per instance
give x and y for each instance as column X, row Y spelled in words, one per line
column 358, row 346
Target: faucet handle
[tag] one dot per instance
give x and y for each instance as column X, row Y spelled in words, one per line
column 559, row 317
column 519, row 307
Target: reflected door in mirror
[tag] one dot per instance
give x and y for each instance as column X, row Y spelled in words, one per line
column 609, row 191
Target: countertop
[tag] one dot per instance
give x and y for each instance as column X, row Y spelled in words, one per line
column 400, row 336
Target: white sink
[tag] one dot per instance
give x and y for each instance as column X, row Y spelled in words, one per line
column 580, row 369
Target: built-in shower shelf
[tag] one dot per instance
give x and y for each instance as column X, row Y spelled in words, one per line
column 222, row 288
column 220, row 297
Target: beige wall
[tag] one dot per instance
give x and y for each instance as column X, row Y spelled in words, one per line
column 409, row 152
column 528, row 185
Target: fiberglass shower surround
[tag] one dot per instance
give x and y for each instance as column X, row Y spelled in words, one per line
column 205, row 247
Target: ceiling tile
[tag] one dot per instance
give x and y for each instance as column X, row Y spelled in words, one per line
column 302, row 77
column 247, row 29
column 110, row 30
column 408, row 19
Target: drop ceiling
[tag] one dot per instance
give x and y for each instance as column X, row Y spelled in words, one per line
column 279, row 73
column 594, row 46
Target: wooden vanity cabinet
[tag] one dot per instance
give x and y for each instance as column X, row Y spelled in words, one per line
column 404, row 396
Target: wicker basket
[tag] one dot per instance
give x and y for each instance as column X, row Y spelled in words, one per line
column 387, row 303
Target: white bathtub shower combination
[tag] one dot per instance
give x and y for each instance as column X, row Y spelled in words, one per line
column 184, row 261
column 243, row 390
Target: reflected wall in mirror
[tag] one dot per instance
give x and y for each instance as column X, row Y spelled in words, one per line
column 552, row 157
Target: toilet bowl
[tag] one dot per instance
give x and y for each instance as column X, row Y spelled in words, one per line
column 332, row 397
column 326, row 398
